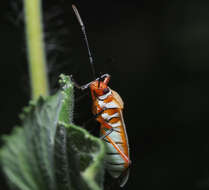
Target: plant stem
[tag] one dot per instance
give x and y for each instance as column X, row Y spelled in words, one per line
column 35, row 44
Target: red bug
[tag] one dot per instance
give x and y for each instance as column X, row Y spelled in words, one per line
column 107, row 108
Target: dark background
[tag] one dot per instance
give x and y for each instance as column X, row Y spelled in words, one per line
column 157, row 55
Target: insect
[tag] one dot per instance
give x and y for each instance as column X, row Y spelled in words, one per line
column 107, row 109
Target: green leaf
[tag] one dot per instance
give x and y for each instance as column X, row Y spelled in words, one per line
column 88, row 152
column 66, row 113
column 78, row 152
column 49, row 152
column 27, row 155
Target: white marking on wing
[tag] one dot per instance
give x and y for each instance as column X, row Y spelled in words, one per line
column 105, row 95
column 108, row 117
column 101, row 104
column 112, row 105
column 115, row 124
column 108, row 105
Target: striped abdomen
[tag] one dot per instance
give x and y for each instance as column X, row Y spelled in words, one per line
column 117, row 158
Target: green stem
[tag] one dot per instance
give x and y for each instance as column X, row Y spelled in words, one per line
column 35, row 44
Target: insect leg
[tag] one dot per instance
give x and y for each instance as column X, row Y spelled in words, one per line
column 93, row 118
column 106, row 125
column 123, row 178
column 80, row 87
column 108, row 133
column 85, row 86
column 75, row 83
column 125, row 158
column 81, row 97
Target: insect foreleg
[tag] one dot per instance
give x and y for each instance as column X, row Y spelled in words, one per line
column 83, row 87
column 81, row 97
column 74, row 82
column 80, row 87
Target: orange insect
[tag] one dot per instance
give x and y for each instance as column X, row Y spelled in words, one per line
column 107, row 108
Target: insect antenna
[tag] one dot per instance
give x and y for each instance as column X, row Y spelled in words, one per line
column 99, row 82
column 86, row 39
column 100, row 79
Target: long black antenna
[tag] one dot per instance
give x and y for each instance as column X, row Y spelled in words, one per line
column 86, row 39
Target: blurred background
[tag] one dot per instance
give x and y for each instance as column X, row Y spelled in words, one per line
column 157, row 55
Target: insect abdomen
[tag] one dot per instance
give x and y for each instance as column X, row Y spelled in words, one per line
column 114, row 162
column 117, row 158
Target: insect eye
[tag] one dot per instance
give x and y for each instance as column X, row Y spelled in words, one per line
column 106, row 90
